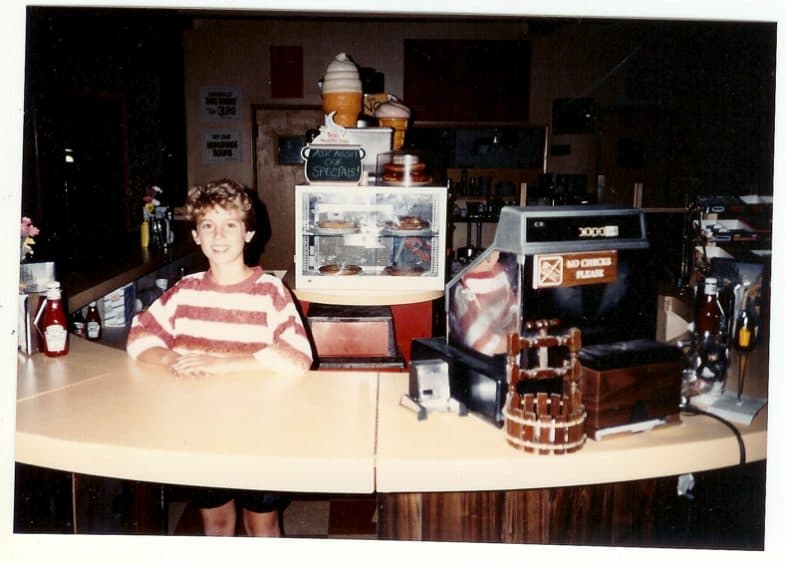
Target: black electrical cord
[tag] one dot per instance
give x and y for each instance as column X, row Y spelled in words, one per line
column 742, row 450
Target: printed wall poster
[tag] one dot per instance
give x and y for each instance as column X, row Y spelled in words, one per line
column 220, row 103
column 221, row 145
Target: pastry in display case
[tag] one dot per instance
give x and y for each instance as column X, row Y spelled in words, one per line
column 403, row 168
column 370, row 238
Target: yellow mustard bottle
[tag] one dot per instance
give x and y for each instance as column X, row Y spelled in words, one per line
column 145, row 234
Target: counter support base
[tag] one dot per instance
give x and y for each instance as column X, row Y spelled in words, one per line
column 726, row 511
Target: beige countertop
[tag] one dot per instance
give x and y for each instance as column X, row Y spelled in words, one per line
column 448, row 452
column 37, row 375
column 96, row 411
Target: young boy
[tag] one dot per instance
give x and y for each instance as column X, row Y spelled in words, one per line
column 230, row 318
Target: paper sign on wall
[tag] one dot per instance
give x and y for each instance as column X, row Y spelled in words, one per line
column 575, row 269
column 221, row 146
column 220, row 103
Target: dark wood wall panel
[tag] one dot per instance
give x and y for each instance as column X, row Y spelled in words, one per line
column 619, row 514
column 455, row 516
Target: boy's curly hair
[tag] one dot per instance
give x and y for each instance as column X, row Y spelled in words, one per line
column 225, row 193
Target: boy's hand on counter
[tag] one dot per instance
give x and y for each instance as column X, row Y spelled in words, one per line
column 198, row 365
column 271, row 360
column 202, row 365
column 159, row 355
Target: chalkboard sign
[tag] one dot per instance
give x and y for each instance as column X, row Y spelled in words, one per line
column 333, row 163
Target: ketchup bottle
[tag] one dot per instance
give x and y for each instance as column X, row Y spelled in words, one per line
column 77, row 323
column 55, row 326
column 93, row 323
column 709, row 312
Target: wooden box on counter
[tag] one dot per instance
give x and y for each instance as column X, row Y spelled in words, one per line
column 629, row 382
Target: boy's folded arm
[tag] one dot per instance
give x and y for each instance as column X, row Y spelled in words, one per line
column 272, row 358
column 275, row 358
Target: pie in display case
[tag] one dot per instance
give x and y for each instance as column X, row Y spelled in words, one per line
column 370, row 237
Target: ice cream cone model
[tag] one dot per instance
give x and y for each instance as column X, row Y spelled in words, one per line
column 342, row 91
column 399, row 126
column 394, row 114
column 346, row 105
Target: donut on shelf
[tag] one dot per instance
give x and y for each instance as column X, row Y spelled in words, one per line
column 403, row 169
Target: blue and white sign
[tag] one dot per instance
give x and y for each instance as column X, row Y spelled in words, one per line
column 221, row 145
column 219, row 103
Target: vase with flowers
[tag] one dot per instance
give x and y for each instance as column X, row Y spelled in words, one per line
column 156, row 220
column 27, row 233
column 33, row 275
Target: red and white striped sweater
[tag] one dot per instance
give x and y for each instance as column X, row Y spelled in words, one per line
column 198, row 316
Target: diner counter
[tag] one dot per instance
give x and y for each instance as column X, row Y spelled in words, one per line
column 98, row 412
column 447, row 452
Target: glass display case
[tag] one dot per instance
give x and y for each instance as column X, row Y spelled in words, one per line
column 370, row 237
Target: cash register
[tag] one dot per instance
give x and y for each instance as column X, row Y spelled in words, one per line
column 554, row 323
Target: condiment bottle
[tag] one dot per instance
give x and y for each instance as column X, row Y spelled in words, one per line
column 77, row 323
column 708, row 313
column 745, row 334
column 55, row 326
column 144, row 233
column 93, row 323
column 161, row 285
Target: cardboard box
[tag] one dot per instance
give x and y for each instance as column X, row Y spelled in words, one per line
column 673, row 317
column 117, row 308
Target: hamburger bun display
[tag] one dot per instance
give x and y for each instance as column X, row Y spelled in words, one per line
column 335, row 270
column 402, row 271
column 336, row 224
column 410, row 223
column 402, row 168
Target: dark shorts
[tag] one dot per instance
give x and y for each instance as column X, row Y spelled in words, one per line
column 256, row 501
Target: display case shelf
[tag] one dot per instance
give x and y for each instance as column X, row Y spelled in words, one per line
column 370, row 238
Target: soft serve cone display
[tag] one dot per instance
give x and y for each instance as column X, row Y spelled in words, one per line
column 342, row 91
column 393, row 113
